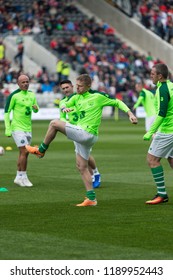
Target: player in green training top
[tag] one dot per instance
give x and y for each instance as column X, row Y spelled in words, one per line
column 89, row 107
column 162, row 143
column 147, row 99
column 22, row 102
column 72, row 117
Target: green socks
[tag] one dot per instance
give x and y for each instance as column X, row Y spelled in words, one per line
column 43, row 147
column 158, row 176
column 91, row 195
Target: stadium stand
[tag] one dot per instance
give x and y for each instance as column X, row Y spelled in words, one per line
column 86, row 44
column 156, row 15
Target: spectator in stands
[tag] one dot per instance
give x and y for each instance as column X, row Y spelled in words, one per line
column 2, row 49
column 65, row 72
column 20, row 51
column 59, row 70
column 46, row 87
column 36, row 28
column 54, row 44
column 43, row 75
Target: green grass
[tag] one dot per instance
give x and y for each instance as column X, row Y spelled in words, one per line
column 43, row 223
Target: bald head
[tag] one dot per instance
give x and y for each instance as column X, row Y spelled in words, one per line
column 23, row 82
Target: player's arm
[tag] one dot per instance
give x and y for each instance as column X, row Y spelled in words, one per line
column 109, row 101
column 66, row 104
column 62, row 114
column 138, row 102
column 164, row 99
column 8, row 107
column 123, row 107
column 154, row 127
column 35, row 107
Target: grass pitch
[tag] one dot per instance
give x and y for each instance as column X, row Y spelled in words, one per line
column 42, row 223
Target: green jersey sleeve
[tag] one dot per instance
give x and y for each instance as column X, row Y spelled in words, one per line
column 8, row 108
column 139, row 101
column 71, row 117
column 62, row 114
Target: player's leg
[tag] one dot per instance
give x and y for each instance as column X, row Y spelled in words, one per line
column 161, row 147
column 21, row 139
column 23, row 160
column 170, row 160
column 82, row 165
column 158, row 176
column 96, row 177
column 83, row 145
column 54, row 127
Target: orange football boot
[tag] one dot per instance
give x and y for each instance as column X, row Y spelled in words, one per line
column 34, row 150
column 157, row 199
column 87, row 202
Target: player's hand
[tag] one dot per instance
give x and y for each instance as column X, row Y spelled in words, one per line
column 66, row 110
column 147, row 136
column 35, row 107
column 133, row 119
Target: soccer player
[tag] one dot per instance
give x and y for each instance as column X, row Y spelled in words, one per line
column 161, row 145
column 89, row 107
column 147, row 99
column 22, row 102
column 72, row 117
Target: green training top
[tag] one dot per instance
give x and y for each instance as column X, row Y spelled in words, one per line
column 20, row 102
column 147, row 99
column 90, row 106
column 164, row 106
column 71, row 117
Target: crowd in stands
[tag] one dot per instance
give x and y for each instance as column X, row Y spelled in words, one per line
column 157, row 15
column 82, row 44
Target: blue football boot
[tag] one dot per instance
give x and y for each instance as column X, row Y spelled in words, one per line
column 96, row 180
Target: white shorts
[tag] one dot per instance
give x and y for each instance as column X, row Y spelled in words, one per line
column 148, row 122
column 83, row 140
column 162, row 145
column 22, row 138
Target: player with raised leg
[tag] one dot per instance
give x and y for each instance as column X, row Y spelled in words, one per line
column 89, row 107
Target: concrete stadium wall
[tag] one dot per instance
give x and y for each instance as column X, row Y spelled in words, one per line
column 131, row 30
column 11, row 49
column 35, row 56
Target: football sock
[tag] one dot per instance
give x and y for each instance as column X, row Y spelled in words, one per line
column 23, row 174
column 43, row 147
column 19, row 174
column 158, row 176
column 91, row 195
column 95, row 171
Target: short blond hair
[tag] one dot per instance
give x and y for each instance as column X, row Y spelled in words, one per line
column 85, row 78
